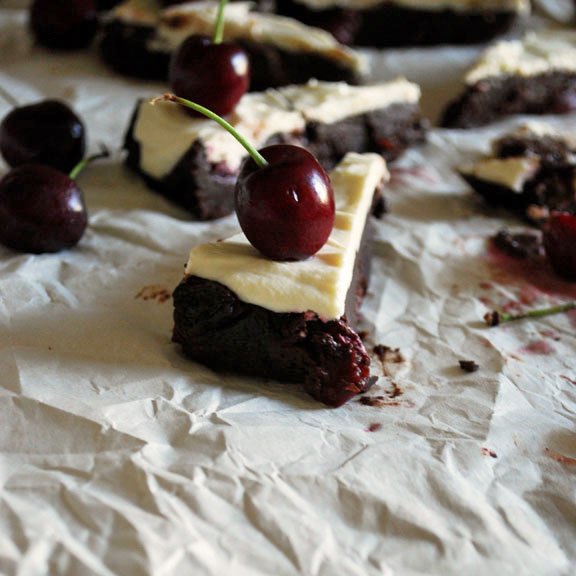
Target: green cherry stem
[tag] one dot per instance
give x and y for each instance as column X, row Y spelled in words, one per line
column 8, row 98
column 85, row 161
column 256, row 156
column 495, row 318
column 219, row 28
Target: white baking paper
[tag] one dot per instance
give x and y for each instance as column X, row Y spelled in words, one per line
column 121, row 457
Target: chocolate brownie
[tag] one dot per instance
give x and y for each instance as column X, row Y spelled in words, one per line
column 394, row 23
column 139, row 42
column 536, row 75
column 290, row 321
column 194, row 163
column 531, row 171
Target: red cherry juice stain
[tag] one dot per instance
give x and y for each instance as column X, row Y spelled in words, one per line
column 560, row 457
column 535, row 274
column 154, row 292
column 486, row 285
column 403, row 175
column 571, row 380
column 539, row 348
column 488, row 452
column 551, row 334
column 374, row 428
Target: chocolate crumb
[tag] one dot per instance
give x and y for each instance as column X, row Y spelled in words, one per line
column 154, row 292
column 377, row 401
column 488, row 452
column 364, row 334
column 520, row 245
column 387, row 354
column 468, row 365
column 492, row 318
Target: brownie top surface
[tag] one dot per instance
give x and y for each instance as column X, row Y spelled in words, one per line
column 178, row 22
column 318, row 284
column 536, row 54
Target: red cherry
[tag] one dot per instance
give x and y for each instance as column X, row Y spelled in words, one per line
column 64, row 24
column 559, row 236
column 41, row 210
column 48, row 132
column 213, row 75
column 286, row 209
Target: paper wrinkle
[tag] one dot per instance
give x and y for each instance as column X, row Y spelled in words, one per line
column 120, row 456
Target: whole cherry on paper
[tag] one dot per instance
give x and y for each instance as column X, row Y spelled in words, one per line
column 559, row 235
column 210, row 72
column 64, row 24
column 41, row 208
column 48, row 132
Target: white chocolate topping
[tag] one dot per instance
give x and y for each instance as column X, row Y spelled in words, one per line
column 318, row 284
column 179, row 22
column 330, row 102
column 165, row 132
column 512, row 173
column 456, row 5
column 537, row 53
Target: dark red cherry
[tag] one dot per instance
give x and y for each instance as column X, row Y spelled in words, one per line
column 47, row 133
column 215, row 76
column 286, row 209
column 64, row 24
column 559, row 235
column 41, row 210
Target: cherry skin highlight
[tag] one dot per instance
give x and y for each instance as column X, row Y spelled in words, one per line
column 215, row 76
column 41, row 210
column 64, row 24
column 286, row 209
column 559, row 235
column 48, row 132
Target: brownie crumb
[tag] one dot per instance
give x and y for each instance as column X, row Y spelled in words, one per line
column 468, row 365
column 521, row 245
column 377, row 401
column 154, row 292
column 387, row 354
column 488, row 452
column 364, row 334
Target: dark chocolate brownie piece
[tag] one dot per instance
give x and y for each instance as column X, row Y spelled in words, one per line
column 548, row 183
column 393, row 24
column 318, row 350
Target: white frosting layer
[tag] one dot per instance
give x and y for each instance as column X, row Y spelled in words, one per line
column 456, row 5
column 537, row 53
column 319, row 284
column 330, row 102
column 165, row 132
column 512, row 173
column 179, row 22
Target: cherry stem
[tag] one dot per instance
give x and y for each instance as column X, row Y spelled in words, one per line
column 256, row 156
column 495, row 318
column 219, row 28
column 85, row 161
column 8, row 98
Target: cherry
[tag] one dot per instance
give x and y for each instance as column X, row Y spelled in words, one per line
column 285, row 209
column 64, row 24
column 559, row 235
column 212, row 73
column 48, row 132
column 41, row 210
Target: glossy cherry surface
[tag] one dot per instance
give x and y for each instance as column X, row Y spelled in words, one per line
column 286, row 209
column 41, row 210
column 48, row 132
column 559, row 235
column 64, row 24
column 213, row 75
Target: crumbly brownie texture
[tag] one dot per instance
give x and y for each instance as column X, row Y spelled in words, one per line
column 391, row 24
column 549, row 183
column 535, row 75
column 143, row 48
column 520, row 245
column 205, row 189
column 492, row 98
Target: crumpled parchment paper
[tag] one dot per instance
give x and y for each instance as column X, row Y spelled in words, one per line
column 119, row 456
